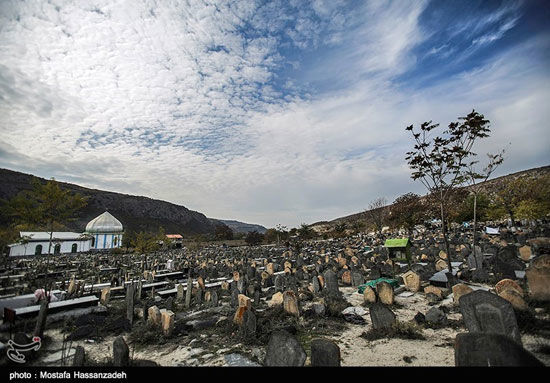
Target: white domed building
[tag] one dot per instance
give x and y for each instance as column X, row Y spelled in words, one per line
column 106, row 232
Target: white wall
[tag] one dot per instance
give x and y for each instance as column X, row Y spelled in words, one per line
column 107, row 241
column 66, row 247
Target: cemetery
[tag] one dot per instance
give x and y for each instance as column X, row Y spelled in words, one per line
column 346, row 301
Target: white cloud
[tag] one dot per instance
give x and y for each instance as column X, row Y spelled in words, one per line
column 176, row 101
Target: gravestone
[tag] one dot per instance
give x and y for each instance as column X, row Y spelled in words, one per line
column 538, row 278
column 189, row 287
column 284, row 350
column 248, row 326
column 316, row 285
column 381, row 316
column 412, row 281
column 331, row 282
column 369, row 296
column 491, row 350
column 41, row 320
column 385, row 293
column 79, row 357
column 121, row 353
column 130, row 291
column 324, row 353
column 485, row 312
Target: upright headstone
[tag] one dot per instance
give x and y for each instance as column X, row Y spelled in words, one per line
column 284, row 350
column 538, row 278
column 188, row 292
column 491, row 350
column 331, row 282
column 381, row 316
column 385, row 293
column 130, row 303
column 79, row 357
column 41, row 320
column 324, row 353
column 485, row 312
column 121, row 353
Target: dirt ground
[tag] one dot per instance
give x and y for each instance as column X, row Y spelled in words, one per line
column 209, row 348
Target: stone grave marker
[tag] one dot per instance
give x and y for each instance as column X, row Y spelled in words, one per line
column 485, row 312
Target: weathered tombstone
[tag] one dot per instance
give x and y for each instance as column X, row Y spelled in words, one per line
column 257, row 298
column 357, row 279
column 180, row 292
column 525, row 253
column 41, row 320
column 346, row 278
column 517, row 301
column 441, row 265
column 459, row 290
column 412, row 281
column 214, row 298
column 79, row 357
column 248, row 326
column 385, row 293
column 485, row 312
column 369, row 296
column 276, row 299
column 235, row 298
column 121, row 353
column 316, row 285
column 436, row 316
column 538, row 278
column 154, row 316
column 105, row 296
column 381, row 316
column 324, row 353
column 130, row 303
column 188, row 291
column 491, row 350
column 290, row 303
column 331, row 282
column 167, row 321
column 284, row 350
column 507, row 284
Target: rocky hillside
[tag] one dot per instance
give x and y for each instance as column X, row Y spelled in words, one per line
column 134, row 212
column 241, row 227
column 486, row 187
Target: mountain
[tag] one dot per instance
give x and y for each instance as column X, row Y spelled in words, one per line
column 241, row 227
column 487, row 187
column 136, row 213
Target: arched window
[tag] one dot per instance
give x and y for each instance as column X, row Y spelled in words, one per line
column 93, row 241
column 38, row 250
column 57, row 249
column 74, row 248
column 115, row 241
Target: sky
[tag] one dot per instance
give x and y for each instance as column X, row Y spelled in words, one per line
column 267, row 112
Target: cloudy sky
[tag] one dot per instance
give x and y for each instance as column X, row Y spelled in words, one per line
column 264, row 111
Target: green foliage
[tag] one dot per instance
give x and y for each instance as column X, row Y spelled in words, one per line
column 407, row 211
column 223, row 232
column 465, row 211
column 523, row 198
column 254, row 238
column 46, row 206
column 305, row 232
column 146, row 242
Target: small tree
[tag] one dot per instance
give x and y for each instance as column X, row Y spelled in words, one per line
column 377, row 213
column 407, row 211
column 254, row 238
column 474, row 179
column 439, row 163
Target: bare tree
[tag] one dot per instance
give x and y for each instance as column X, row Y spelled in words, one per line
column 474, row 179
column 377, row 213
column 440, row 163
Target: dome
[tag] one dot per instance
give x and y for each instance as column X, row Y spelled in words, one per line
column 104, row 223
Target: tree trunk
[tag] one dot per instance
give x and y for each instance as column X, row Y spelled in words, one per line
column 475, row 224
column 445, row 240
